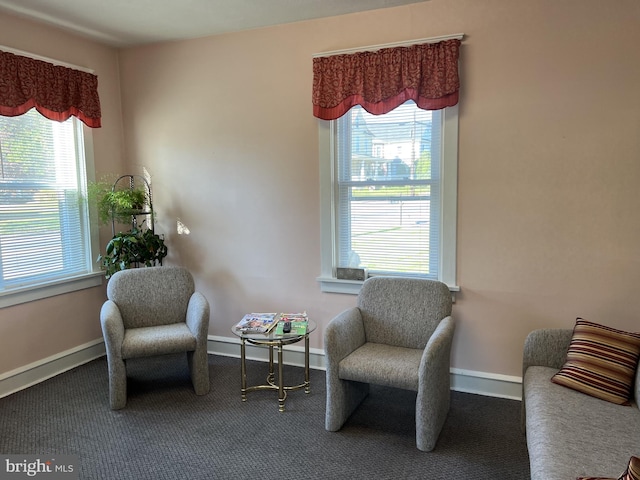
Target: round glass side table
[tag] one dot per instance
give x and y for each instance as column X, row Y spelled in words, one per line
column 278, row 341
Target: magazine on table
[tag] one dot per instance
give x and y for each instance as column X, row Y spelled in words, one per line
column 298, row 321
column 294, row 317
column 257, row 322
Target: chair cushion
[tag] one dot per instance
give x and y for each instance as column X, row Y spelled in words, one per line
column 601, row 362
column 382, row 365
column 159, row 340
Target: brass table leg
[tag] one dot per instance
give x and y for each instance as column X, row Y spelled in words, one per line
column 272, row 383
column 281, row 394
column 307, row 388
column 270, row 377
column 243, row 372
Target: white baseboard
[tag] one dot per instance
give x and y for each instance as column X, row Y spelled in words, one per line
column 36, row 372
column 488, row 384
column 469, row 381
column 292, row 354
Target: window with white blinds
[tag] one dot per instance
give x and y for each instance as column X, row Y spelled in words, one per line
column 393, row 181
column 44, row 225
column 388, row 191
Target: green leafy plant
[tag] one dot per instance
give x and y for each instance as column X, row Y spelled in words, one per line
column 132, row 249
column 116, row 203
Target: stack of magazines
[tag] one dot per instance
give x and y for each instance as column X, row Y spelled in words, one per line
column 265, row 322
column 257, row 322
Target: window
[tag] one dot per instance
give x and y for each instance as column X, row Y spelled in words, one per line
column 46, row 244
column 388, row 186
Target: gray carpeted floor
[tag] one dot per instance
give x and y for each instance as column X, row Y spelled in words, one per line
column 167, row 432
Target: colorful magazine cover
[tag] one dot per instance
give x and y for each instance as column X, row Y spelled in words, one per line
column 298, row 323
column 257, row 322
column 297, row 328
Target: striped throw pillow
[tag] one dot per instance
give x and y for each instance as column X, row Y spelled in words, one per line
column 633, row 470
column 601, row 362
column 631, row 473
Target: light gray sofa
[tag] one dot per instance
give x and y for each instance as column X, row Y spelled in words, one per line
column 570, row 434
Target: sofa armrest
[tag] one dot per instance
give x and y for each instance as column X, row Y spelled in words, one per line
column 546, row 347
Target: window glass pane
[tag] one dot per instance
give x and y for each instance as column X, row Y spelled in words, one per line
column 388, row 191
column 43, row 221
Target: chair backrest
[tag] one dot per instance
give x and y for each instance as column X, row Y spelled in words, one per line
column 403, row 312
column 149, row 296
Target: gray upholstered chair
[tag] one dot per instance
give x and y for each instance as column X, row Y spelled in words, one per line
column 154, row 311
column 399, row 335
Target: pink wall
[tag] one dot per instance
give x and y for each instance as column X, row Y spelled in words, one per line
column 549, row 167
column 36, row 330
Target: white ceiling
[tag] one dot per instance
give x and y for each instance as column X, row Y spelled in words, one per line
column 123, row 23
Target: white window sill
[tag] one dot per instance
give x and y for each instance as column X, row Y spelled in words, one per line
column 38, row 292
column 334, row 285
column 352, row 287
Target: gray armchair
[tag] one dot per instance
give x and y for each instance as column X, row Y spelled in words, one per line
column 154, row 311
column 399, row 335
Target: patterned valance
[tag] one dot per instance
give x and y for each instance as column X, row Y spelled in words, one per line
column 57, row 92
column 384, row 79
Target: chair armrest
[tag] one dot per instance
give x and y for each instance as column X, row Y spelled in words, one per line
column 434, row 385
column 198, row 316
column 112, row 328
column 436, row 357
column 546, row 347
column 343, row 335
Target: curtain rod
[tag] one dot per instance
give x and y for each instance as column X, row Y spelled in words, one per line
column 407, row 43
column 22, row 53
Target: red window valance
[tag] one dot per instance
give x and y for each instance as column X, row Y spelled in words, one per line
column 57, row 92
column 382, row 80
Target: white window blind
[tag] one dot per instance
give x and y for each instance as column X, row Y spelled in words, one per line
column 388, row 191
column 44, row 226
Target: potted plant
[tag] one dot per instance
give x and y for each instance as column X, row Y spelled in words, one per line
column 131, row 249
column 123, row 201
column 117, row 204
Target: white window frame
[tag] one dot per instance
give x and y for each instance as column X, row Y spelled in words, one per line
column 449, row 206
column 69, row 284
